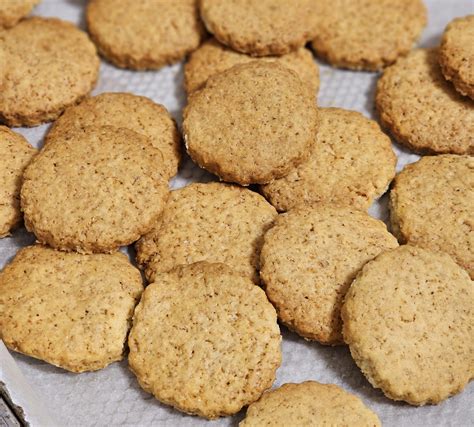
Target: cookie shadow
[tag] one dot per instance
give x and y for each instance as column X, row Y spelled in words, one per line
column 82, row 5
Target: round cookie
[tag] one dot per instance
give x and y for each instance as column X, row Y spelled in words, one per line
column 146, row 34
column 129, row 111
column 422, row 109
column 456, row 54
column 49, row 65
column 308, row 261
column 351, row 164
column 431, row 205
column 73, row 311
column 367, row 34
column 309, row 404
column 264, row 122
column 205, row 340
column 15, row 155
column 208, row 222
column 408, row 319
column 94, row 190
column 11, row 11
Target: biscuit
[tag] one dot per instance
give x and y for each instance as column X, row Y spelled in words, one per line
column 251, row 124
column 432, row 203
column 205, row 340
column 456, row 54
column 15, row 155
column 351, row 164
column 73, row 311
column 208, row 222
column 367, row 34
column 129, row 111
column 408, row 319
column 49, row 65
column 94, row 190
column 309, row 404
column 11, row 11
column 421, row 109
column 308, row 261
column 146, row 34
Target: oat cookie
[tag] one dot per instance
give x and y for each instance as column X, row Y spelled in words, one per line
column 73, row 311
column 94, row 190
column 309, row 404
column 47, row 65
column 408, row 319
column 352, row 163
column 205, row 340
column 432, row 204
column 264, row 122
column 145, row 34
column 308, row 261
column 11, row 11
column 422, row 109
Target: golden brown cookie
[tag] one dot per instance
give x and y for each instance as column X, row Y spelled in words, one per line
column 11, row 11
column 408, row 319
column 205, row 340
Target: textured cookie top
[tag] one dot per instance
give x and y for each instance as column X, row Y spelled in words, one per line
column 128, row 111
column 145, row 34
column 308, row 261
column 208, row 222
column 422, row 109
column 15, row 154
column 251, row 124
column 367, row 34
column 432, row 204
column 94, row 190
column 205, row 340
column 352, row 163
column 11, row 11
column 49, row 65
column 71, row 310
column 309, row 404
column 408, row 319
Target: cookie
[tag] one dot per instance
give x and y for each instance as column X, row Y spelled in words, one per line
column 212, row 58
column 212, row 222
column 205, row 340
column 308, row 261
column 73, row 311
column 129, row 111
column 367, row 34
column 421, row 109
column 260, row 27
column 144, row 35
column 309, row 404
column 431, row 205
column 456, row 54
column 11, row 11
column 408, row 319
column 352, row 163
column 264, row 122
column 94, row 190
column 49, row 65
column 15, row 155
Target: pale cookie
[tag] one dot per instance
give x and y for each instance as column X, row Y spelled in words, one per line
column 145, row 34
column 129, row 111
column 47, row 65
column 432, row 206
column 456, row 54
column 309, row 404
column 367, row 34
column 351, row 164
column 251, row 124
column 421, row 109
column 308, row 261
column 205, row 340
column 11, row 11
column 208, row 222
column 408, row 319
column 15, row 155
column 94, row 190
column 73, row 311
